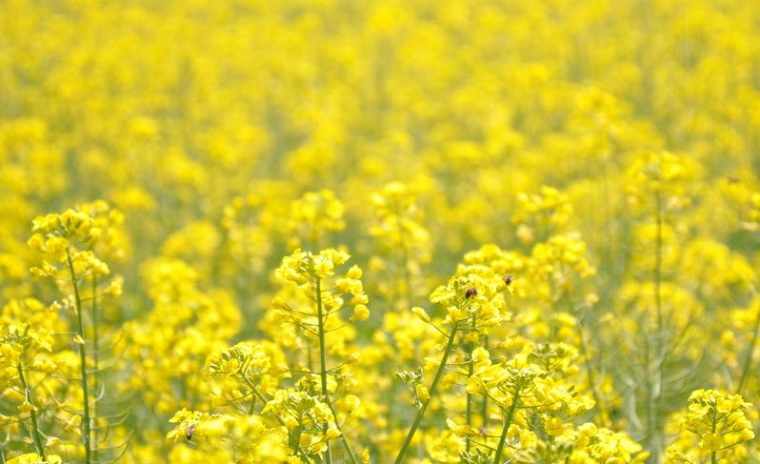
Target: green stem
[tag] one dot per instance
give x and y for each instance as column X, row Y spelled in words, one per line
column 468, row 412
column 321, row 328
column 256, row 392
column 658, row 264
column 322, row 353
column 82, row 363
column 656, row 392
column 95, row 364
column 36, row 436
column 484, row 406
column 750, row 352
column 309, row 364
column 392, row 394
column 323, row 373
column 252, row 406
column 590, row 376
column 343, row 438
column 470, row 371
column 714, row 454
column 505, row 429
column 431, row 394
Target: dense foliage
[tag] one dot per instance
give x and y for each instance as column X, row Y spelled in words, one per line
column 420, row 231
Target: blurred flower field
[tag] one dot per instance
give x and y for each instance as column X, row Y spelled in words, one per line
column 379, row 231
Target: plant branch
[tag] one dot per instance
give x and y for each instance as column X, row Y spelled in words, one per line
column 431, row 393
column 86, row 434
column 36, row 435
column 507, row 423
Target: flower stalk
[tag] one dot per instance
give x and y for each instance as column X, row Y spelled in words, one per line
column 469, row 399
column 507, row 423
column 86, row 424
column 747, row 364
column 36, row 435
column 484, row 405
column 656, row 385
column 321, row 317
column 433, row 387
column 714, row 454
column 95, row 365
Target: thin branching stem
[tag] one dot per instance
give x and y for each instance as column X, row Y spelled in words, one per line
column 590, row 374
column 323, row 373
column 95, row 364
column 470, row 371
column 431, row 394
column 714, row 454
column 747, row 364
column 484, row 405
column 86, row 434
column 656, row 390
column 346, row 445
column 658, row 263
column 469, row 409
column 507, row 423
column 36, row 434
column 322, row 353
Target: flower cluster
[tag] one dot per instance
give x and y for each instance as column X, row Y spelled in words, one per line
column 714, row 426
column 379, row 231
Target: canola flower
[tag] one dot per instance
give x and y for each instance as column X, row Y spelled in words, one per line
column 420, row 232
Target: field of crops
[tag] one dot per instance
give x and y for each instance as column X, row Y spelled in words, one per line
column 379, row 231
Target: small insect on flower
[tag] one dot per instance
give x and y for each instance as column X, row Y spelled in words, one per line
column 189, row 432
column 508, row 280
column 471, row 292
